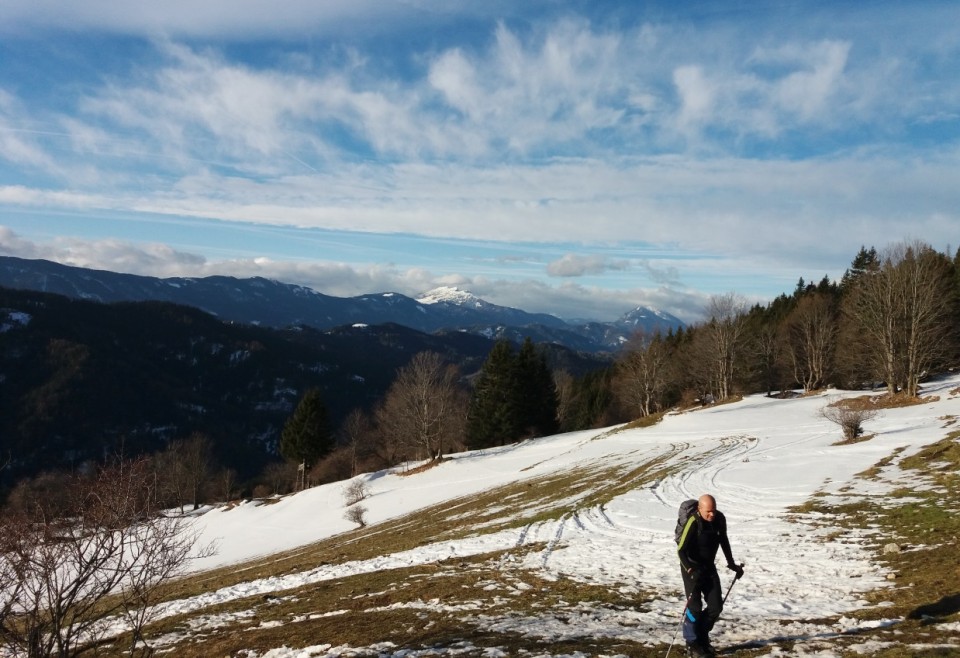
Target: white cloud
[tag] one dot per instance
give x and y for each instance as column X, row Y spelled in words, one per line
column 576, row 302
column 802, row 214
column 454, row 76
column 696, row 94
column 558, row 88
column 569, row 301
column 19, row 145
column 806, row 91
column 12, row 244
column 151, row 259
column 666, row 276
column 570, row 265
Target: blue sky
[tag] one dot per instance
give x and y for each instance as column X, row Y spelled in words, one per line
column 577, row 158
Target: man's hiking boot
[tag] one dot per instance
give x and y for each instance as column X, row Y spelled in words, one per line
column 696, row 650
column 705, row 644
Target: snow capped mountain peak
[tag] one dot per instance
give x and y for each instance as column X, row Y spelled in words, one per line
column 450, row 295
column 645, row 314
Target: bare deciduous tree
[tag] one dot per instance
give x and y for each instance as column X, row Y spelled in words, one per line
column 280, row 477
column 335, row 467
column 810, row 335
column 642, row 374
column 766, row 347
column 903, row 314
column 105, row 556
column 183, row 469
column 724, row 329
column 425, row 407
column 693, row 369
column 226, row 481
column 358, row 436
column 563, row 382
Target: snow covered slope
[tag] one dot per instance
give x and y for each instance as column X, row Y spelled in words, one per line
column 759, row 457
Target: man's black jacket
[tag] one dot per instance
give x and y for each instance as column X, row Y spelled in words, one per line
column 701, row 539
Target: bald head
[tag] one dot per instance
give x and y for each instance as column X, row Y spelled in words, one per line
column 707, row 507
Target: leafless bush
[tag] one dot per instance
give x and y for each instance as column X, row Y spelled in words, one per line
column 261, row 491
column 105, row 556
column 280, row 477
column 333, row 468
column 355, row 492
column 356, row 514
column 850, row 419
column 159, row 551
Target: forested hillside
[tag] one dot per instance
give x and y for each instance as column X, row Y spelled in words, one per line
column 83, row 381
column 891, row 321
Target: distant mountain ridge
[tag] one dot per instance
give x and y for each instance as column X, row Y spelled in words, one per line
column 81, row 380
column 270, row 303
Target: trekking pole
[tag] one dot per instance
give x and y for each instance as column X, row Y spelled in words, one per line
column 732, row 583
column 677, row 632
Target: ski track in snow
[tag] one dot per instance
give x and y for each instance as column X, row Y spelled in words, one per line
column 758, row 457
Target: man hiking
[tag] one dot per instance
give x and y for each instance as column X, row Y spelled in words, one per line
column 704, row 532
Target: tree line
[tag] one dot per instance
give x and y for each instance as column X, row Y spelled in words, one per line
column 430, row 410
column 889, row 322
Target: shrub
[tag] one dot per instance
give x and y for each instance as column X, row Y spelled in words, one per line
column 355, row 492
column 356, row 514
column 849, row 418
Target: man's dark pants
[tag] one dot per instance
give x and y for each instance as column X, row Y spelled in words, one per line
column 697, row 622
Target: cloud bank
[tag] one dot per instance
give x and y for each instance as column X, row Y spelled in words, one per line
column 771, row 142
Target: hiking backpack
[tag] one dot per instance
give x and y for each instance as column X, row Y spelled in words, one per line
column 687, row 509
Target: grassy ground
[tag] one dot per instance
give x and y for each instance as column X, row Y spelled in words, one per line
column 921, row 519
column 383, row 605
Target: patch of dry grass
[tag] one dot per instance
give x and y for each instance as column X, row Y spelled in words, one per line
column 883, row 401
column 874, row 471
column 857, row 439
column 418, row 607
column 925, row 526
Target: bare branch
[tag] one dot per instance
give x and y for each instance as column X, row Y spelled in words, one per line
column 60, row 574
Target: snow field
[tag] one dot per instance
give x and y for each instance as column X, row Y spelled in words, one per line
column 759, row 457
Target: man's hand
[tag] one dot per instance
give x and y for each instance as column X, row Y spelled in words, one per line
column 736, row 568
column 694, row 574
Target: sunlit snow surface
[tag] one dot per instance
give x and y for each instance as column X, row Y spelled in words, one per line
column 758, row 456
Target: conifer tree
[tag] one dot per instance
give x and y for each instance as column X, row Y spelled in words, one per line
column 492, row 416
column 306, row 436
column 865, row 261
column 800, row 289
column 536, row 392
column 593, row 398
column 514, row 397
